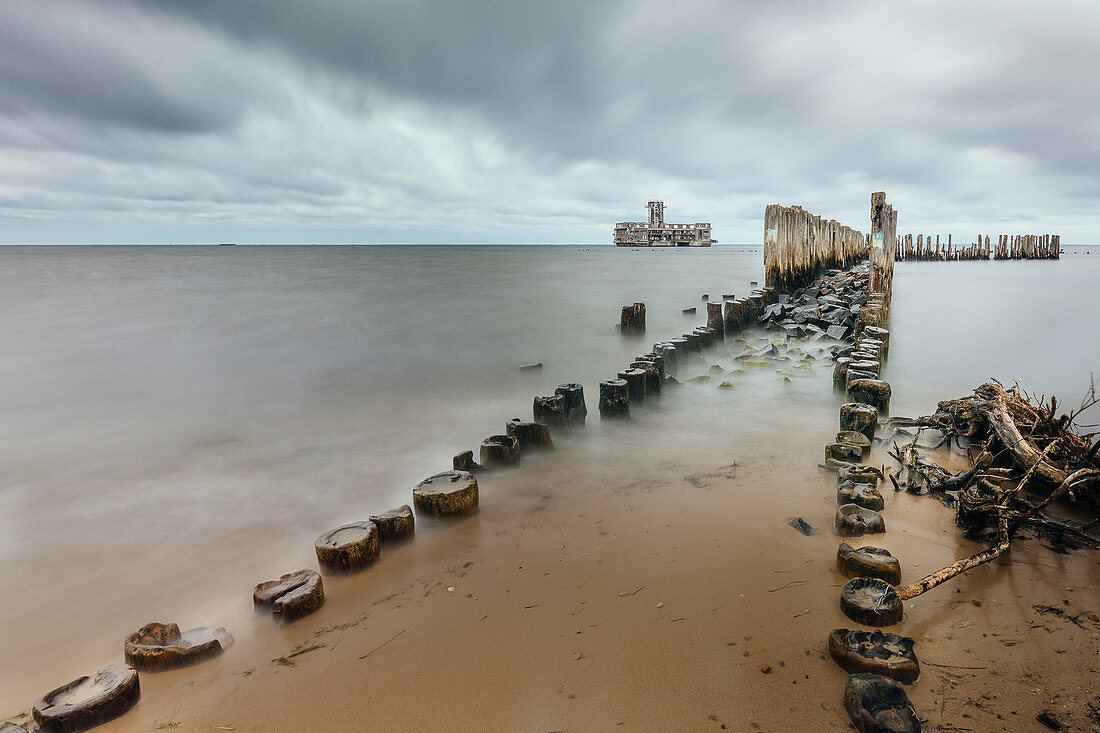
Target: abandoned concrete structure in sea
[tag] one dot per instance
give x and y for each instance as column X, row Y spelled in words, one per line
column 656, row 233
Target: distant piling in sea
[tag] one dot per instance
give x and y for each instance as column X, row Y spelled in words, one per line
column 799, row 245
column 1008, row 247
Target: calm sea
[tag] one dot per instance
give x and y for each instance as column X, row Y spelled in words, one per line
column 179, row 423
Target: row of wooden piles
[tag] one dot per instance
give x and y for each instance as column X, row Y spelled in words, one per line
column 1008, row 247
column 799, row 245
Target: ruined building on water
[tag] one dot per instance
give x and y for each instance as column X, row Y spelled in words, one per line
column 656, row 233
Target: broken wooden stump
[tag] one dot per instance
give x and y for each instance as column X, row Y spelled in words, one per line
column 464, row 461
column 844, row 452
column 395, row 525
column 614, row 398
column 871, row 602
column 348, row 548
column 636, row 383
column 878, row 704
column 853, row 520
column 572, row 395
column 873, row 392
column 498, row 451
column 868, row 562
column 532, row 436
column 653, row 378
column 447, row 494
column 859, row 417
column 156, row 647
column 550, row 411
column 863, row 495
column 877, row 652
column 291, row 597
column 632, row 320
column 88, row 701
column 840, row 372
column 856, row 438
column 715, row 320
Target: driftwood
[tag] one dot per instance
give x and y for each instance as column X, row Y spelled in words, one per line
column 1024, row 445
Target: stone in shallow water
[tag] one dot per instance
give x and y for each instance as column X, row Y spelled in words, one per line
column 802, row 526
column 878, row 704
column 868, row 562
column 871, row 602
column 878, row 652
column 863, row 495
column 88, row 701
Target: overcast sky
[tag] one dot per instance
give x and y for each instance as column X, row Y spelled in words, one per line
column 515, row 121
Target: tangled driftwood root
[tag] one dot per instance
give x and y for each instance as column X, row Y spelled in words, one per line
column 1024, row 445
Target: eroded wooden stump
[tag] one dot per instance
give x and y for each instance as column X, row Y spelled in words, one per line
column 715, row 319
column 614, row 398
column 863, row 495
column 878, row 704
column 550, row 411
column 575, row 410
column 858, row 475
column 856, row 438
column 291, row 597
column 868, row 562
column 88, row 701
column 880, row 334
column 859, row 417
column 865, row 365
column 871, row 602
column 395, row 525
column 498, row 451
column 853, row 520
column 632, row 320
column 532, row 436
column 653, row 377
column 873, row 392
column 348, row 548
column 157, row 647
column 464, row 461
column 840, row 372
column 877, row 652
column 636, row 383
column 843, row 452
column 447, row 494
column 858, row 374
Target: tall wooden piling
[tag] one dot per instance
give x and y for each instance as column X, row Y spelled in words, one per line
column 798, row 245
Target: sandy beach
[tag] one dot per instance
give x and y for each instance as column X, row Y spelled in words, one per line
column 681, row 600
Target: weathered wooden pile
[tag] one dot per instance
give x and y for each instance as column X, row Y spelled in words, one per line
column 799, row 245
column 1028, row 247
column 922, row 249
column 1008, row 247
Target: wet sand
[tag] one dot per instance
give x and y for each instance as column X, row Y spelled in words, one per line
column 538, row 634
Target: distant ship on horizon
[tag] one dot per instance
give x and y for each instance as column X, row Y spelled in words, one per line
column 656, row 233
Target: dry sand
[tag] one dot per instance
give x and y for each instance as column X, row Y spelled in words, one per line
column 584, row 600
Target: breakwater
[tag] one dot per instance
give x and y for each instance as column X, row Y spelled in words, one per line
column 799, row 245
column 1008, row 247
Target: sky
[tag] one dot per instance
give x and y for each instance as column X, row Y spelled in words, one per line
column 508, row 121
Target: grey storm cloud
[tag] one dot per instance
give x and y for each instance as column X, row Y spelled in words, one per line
column 275, row 120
